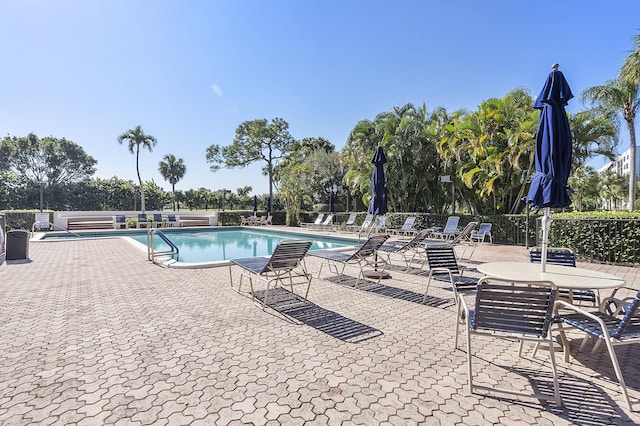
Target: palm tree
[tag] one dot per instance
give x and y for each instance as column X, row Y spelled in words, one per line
column 631, row 68
column 622, row 96
column 172, row 169
column 136, row 137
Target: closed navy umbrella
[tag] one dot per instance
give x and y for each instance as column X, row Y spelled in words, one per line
column 255, row 204
column 332, row 207
column 553, row 152
column 378, row 204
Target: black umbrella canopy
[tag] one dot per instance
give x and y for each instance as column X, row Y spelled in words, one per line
column 378, row 204
column 255, row 203
column 332, row 207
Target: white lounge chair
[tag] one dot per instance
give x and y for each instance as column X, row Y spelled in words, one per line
column 406, row 228
column 316, row 222
column 350, row 225
column 450, row 229
column 327, row 224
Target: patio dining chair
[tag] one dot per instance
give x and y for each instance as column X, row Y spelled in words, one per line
column 365, row 255
column 143, row 221
column 443, row 266
column 285, row 267
column 512, row 310
column 612, row 329
column 565, row 256
column 484, row 231
column 121, row 222
column 171, row 221
column 157, row 220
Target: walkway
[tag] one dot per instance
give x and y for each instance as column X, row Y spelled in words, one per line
column 92, row 333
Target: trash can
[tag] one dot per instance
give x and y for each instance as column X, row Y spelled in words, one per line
column 17, row 244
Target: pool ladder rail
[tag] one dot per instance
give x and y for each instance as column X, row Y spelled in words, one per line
column 164, row 258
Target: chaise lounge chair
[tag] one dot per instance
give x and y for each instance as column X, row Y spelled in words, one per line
column 350, row 225
column 406, row 228
column 285, row 267
column 317, row 222
column 327, row 224
column 364, row 256
column 450, row 229
column 408, row 249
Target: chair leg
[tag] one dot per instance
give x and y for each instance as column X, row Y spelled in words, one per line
column 616, row 367
column 556, row 386
column 424, row 299
column 469, row 357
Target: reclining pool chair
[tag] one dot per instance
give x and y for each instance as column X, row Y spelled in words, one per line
column 460, row 239
column 565, row 256
column 350, row 225
column 285, row 267
column 612, row 329
column 512, row 310
column 317, row 222
column 450, row 229
column 408, row 249
column 406, row 228
column 365, row 256
column 327, row 224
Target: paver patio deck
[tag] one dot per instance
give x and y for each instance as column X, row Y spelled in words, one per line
column 93, row 333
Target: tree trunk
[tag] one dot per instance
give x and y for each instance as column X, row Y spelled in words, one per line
column 632, row 165
column 139, row 178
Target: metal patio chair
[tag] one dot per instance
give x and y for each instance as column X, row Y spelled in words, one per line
column 512, row 310
column 613, row 329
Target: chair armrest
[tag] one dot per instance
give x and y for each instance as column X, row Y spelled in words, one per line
column 619, row 305
column 565, row 305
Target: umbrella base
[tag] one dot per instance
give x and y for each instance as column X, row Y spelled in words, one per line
column 377, row 274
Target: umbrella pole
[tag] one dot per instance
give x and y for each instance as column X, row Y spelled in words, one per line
column 546, row 226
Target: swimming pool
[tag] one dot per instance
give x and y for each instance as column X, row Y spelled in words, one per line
column 198, row 246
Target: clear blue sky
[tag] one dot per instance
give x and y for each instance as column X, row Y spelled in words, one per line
column 189, row 72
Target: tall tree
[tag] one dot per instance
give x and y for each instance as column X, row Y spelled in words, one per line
column 136, row 138
column 255, row 140
column 172, row 170
column 622, row 96
column 50, row 160
column 630, row 70
column 595, row 132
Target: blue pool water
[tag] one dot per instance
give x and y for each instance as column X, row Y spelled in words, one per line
column 217, row 244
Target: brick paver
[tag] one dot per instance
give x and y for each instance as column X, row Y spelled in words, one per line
column 92, row 333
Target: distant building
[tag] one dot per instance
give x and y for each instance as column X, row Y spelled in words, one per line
column 621, row 164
